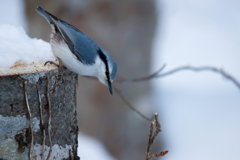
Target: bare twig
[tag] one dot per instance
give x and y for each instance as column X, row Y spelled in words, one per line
column 158, row 127
column 124, row 99
column 41, row 121
column 152, row 137
column 158, row 154
column 149, row 140
column 183, row 68
column 150, row 76
column 129, row 105
column 205, row 68
column 30, row 120
column 121, row 79
column 49, row 120
column 158, row 75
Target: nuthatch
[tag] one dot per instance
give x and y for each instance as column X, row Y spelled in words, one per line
column 79, row 53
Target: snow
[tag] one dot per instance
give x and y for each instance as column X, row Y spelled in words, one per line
column 91, row 149
column 21, row 54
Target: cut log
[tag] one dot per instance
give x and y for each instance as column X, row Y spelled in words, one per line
column 15, row 133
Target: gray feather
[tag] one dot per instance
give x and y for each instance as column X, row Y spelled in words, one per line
column 44, row 14
column 80, row 44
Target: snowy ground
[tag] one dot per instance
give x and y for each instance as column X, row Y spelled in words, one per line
column 199, row 112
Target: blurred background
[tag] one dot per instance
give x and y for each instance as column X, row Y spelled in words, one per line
column 199, row 112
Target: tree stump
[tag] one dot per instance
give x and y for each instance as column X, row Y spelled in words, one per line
column 15, row 133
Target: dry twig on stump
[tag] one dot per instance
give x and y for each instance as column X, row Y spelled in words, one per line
column 49, row 118
column 41, row 121
column 30, row 120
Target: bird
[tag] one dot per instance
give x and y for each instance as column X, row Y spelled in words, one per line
column 78, row 52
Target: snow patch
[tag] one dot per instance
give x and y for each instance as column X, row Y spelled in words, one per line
column 20, row 54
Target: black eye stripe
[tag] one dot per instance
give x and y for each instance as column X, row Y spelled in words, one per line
column 104, row 59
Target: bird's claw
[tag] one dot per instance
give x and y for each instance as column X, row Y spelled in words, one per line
column 51, row 62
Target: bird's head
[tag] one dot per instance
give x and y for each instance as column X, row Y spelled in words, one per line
column 107, row 69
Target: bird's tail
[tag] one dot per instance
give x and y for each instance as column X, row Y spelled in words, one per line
column 43, row 13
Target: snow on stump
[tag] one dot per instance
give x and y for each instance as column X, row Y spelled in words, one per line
column 25, row 81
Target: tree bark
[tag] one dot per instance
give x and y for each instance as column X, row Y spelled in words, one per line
column 15, row 133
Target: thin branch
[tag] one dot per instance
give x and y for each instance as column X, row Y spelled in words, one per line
column 152, row 137
column 149, row 140
column 124, row 99
column 41, row 121
column 205, row 68
column 129, row 105
column 30, row 120
column 150, row 76
column 157, row 74
column 158, row 127
column 49, row 116
column 163, row 153
column 121, row 79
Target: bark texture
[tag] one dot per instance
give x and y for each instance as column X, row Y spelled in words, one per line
column 15, row 135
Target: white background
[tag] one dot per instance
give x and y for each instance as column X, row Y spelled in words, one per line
column 199, row 112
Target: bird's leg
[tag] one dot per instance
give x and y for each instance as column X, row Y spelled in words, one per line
column 61, row 70
column 61, row 67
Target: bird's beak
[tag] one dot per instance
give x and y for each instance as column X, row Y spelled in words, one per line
column 110, row 87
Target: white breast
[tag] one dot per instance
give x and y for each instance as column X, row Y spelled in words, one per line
column 60, row 49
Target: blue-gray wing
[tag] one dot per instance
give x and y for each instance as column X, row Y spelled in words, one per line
column 84, row 48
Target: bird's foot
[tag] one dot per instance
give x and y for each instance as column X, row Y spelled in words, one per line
column 61, row 69
column 60, row 66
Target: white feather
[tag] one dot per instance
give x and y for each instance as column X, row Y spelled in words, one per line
column 61, row 50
